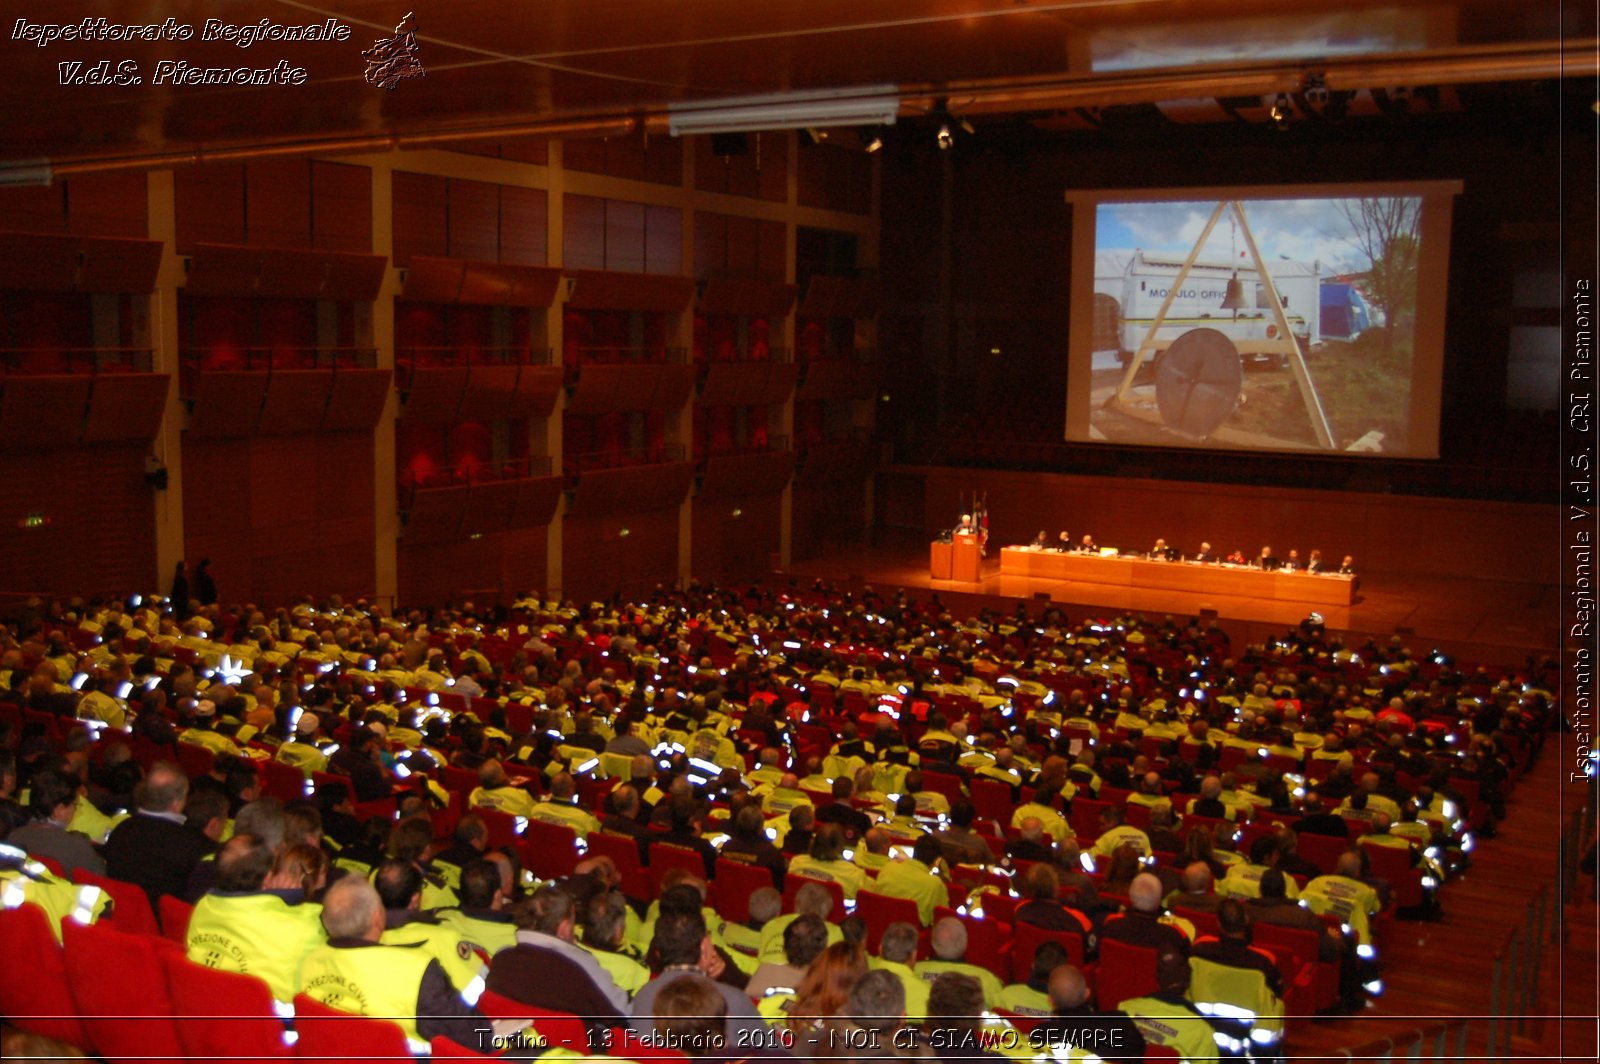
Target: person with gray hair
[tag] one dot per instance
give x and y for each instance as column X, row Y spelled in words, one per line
column 154, row 847
column 1106, row 1033
column 949, row 941
column 1143, row 924
column 897, row 953
column 352, row 972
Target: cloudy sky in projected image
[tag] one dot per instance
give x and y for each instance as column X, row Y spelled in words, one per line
column 1302, row 230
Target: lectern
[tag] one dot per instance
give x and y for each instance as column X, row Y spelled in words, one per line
column 966, row 561
column 939, row 560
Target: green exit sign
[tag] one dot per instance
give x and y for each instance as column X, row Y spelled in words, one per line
column 34, row 520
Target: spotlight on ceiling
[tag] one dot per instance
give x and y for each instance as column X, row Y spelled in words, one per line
column 945, row 138
column 870, row 141
column 817, row 135
column 966, row 127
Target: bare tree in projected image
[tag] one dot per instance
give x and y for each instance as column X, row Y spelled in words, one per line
column 1384, row 230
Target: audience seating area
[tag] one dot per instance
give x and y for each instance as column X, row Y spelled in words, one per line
column 1107, row 720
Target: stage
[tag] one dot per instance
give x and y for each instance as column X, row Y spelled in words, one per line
column 1490, row 620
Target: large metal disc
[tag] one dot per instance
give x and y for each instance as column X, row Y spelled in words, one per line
column 1198, row 382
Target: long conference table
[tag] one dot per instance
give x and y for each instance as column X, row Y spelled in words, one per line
column 1323, row 589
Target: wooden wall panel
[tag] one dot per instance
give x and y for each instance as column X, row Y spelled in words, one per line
column 210, row 205
column 126, row 407
column 278, row 202
column 663, row 240
column 625, row 236
column 496, row 569
column 710, row 244
column 772, row 251
column 599, row 561
column 744, row 240
column 296, row 402
column 735, row 549
column 584, row 224
column 341, row 206
column 109, row 204
column 43, row 413
column 1386, row 533
column 101, row 535
column 34, row 210
column 474, row 220
column 282, row 516
column 420, row 216
column 524, row 225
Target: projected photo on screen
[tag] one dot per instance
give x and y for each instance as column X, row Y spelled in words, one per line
column 1248, row 322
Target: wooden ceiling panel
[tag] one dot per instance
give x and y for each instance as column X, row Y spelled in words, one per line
column 495, row 67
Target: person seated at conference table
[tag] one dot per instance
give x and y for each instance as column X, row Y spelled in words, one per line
column 1348, row 566
column 1086, row 545
column 1237, row 558
column 1314, row 562
column 1291, row 564
column 1268, row 561
column 1041, row 541
column 1163, row 553
column 1063, row 543
column 1205, row 557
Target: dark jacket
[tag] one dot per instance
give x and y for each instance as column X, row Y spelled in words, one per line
column 155, row 853
column 545, row 979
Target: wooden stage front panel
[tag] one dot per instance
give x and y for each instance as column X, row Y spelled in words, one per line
column 1328, row 589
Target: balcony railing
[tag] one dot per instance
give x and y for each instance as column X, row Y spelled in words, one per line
column 55, row 360
column 728, row 450
column 459, row 355
column 645, row 355
column 863, row 356
column 658, row 454
column 512, row 469
column 276, row 358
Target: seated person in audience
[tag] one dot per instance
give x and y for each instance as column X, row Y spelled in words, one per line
column 623, row 819
column 897, row 954
column 744, row 940
column 154, row 848
column 872, row 852
column 1289, row 861
column 929, row 803
column 353, row 972
column 684, row 826
column 1316, row 821
column 1233, row 947
column 1042, row 907
column 496, row 792
column 803, row 942
column 468, row 843
column 949, row 944
column 1168, row 1018
column 1032, row 844
column 1195, row 894
column 549, row 970
column 241, row 925
column 400, row 885
column 1126, row 864
column 1105, row 1032
column 916, row 878
column 826, row 861
column 874, row 1018
column 1141, row 924
column 1164, row 837
column 583, row 735
column 954, row 1029
column 691, row 1017
column 812, row 899
column 562, row 807
column 1032, row 998
column 1209, row 804
column 52, row 798
column 748, row 843
column 684, row 948
column 1344, row 894
column 481, row 919
column 960, row 844
column 854, row 822
column 802, row 830
column 360, row 759
column 1116, row 831
column 624, row 741
column 1275, row 907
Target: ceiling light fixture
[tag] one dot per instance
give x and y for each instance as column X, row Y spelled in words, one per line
column 868, row 105
column 945, row 139
column 871, row 142
column 1281, row 113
